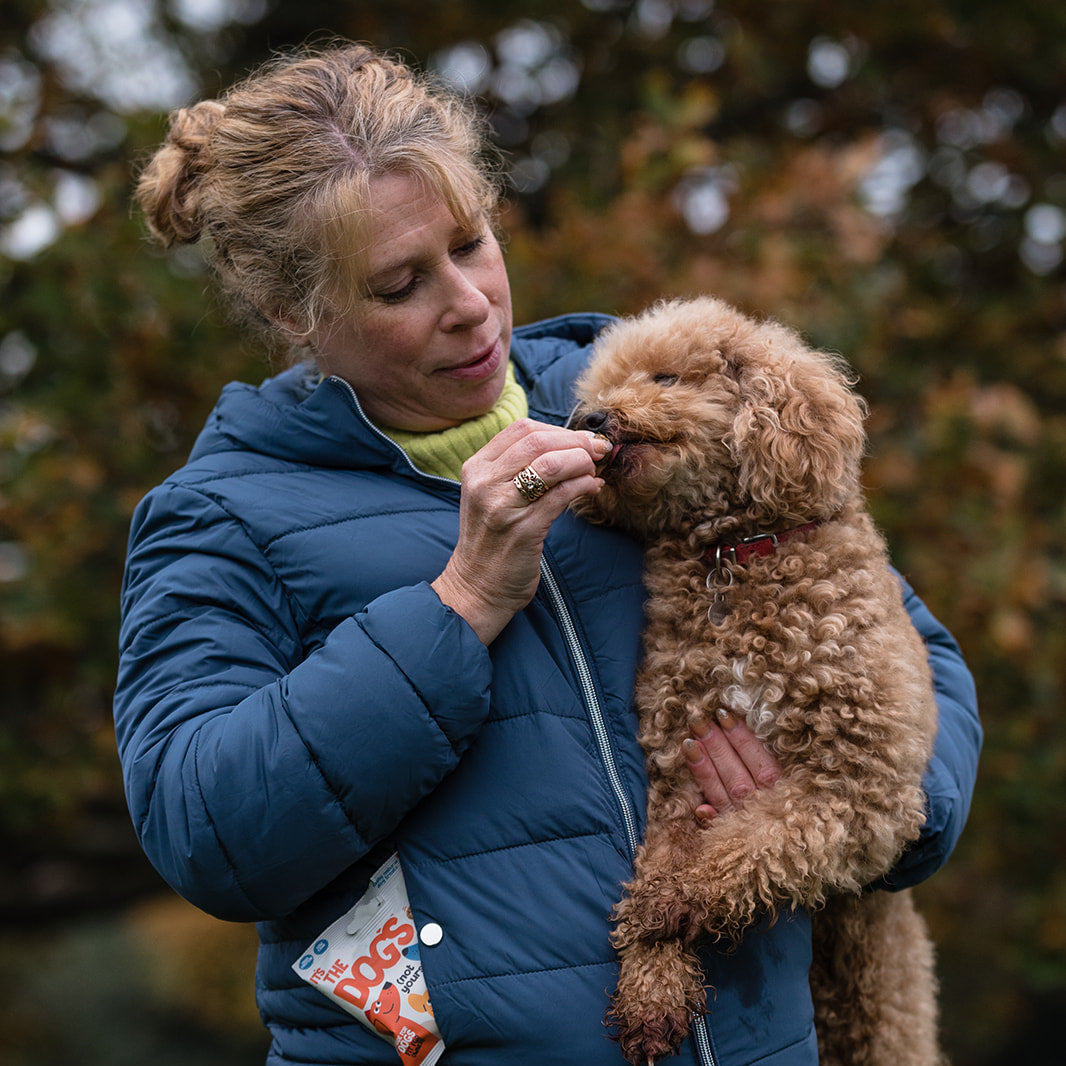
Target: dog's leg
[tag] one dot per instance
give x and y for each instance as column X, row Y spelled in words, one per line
column 660, row 982
column 874, row 983
column 694, row 882
column 658, row 903
column 660, row 987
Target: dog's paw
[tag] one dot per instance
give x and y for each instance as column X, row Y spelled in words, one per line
column 645, row 1040
column 659, row 989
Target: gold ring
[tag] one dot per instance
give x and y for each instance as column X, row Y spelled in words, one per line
column 530, row 484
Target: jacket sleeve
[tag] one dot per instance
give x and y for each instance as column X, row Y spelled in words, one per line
column 949, row 780
column 255, row 775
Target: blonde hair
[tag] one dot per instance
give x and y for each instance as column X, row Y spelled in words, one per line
column 276, row 173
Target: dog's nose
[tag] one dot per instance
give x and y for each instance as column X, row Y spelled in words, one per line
column 596, row 421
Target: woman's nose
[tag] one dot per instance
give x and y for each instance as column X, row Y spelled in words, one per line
column 468, row 305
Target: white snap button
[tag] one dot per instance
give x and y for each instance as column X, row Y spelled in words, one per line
column 431, row 934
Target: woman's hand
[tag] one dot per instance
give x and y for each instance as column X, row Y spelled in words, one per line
column 729, row 762
column 495, row 567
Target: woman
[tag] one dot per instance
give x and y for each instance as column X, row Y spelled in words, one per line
column 361, row 619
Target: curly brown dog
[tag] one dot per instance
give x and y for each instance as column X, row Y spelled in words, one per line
column 736, row 462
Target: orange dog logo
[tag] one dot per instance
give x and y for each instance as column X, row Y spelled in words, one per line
column 385, row 1010
column 384, row 1014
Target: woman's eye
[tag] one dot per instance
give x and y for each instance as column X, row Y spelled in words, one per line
column 470, row 247
column 397, row 295
column 665, row 379
column 462, row 251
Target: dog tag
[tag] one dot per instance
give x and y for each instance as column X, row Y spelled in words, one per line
column 719, row 610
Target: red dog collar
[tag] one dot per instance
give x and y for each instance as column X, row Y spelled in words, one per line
column 762, row 544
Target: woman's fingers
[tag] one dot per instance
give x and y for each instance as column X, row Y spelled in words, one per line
column 556, row 457
column 756, row 757
column 526, row 463
column 571, row 470
column 524, row 478
column 707, row 778
column 728, row 762
column 520, row 443
column 495, row 567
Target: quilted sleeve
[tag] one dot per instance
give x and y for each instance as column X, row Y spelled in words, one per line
column 949, row 780
column 254, row 778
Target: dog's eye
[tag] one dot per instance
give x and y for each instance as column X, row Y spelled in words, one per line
column 665, row 379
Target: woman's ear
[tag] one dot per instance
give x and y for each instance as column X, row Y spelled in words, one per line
column 290, row 328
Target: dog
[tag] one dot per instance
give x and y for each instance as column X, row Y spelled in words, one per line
column 736, row 461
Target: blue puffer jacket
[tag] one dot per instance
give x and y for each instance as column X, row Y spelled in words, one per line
column 294, row 703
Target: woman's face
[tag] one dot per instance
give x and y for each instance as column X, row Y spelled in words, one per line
column 426, row 347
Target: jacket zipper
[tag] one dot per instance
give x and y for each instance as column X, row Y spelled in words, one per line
column 592, row 702
column 700, row 1029
column 701, row 1034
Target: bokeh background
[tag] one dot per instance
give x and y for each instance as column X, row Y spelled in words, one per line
column 889, row 177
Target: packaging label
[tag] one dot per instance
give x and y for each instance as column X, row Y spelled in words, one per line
column 368, row 962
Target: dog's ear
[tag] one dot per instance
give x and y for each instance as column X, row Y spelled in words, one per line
column 798, row 437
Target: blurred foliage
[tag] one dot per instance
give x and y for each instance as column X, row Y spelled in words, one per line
column 160, row 983
column 888, row 177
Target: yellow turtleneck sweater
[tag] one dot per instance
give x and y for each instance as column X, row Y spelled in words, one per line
column 443, row 452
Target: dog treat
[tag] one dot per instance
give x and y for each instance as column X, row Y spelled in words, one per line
column 368, row 963
column 606, row 460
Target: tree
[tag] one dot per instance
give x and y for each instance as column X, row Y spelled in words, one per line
column 887, row 177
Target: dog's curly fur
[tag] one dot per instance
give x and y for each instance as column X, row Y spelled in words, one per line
column 726, row 428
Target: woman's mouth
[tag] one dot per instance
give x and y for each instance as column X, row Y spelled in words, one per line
column 483, row 365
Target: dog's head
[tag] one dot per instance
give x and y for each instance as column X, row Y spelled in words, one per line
column 717, row 421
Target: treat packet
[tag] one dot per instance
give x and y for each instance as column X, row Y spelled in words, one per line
column 367, row 962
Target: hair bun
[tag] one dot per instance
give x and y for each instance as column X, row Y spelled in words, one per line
column 169, row 188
